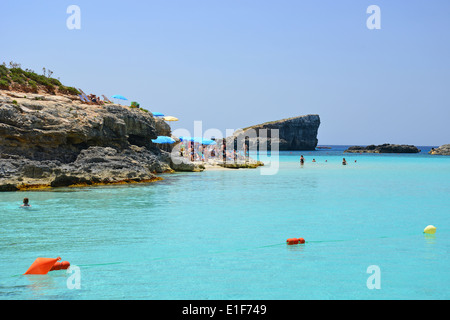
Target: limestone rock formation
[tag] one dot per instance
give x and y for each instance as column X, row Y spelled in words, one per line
column 50, row 140
column 182, row 164
column 297, row 133
column 443, row 150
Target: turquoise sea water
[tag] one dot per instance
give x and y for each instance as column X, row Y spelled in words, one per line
column 221, row 234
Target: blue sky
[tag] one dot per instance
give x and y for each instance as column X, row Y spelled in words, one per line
column 236, row 63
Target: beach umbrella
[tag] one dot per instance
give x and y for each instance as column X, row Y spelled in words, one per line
column 186, row 138
column 118, row 96
column 208, row 142
column 170, row 118
column 199, row 140
column 157, row 114
column 163, row 140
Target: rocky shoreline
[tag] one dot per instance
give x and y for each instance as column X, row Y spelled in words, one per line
column 54, row 141
column 443, row 150
column 51, row 141
column 384, row 148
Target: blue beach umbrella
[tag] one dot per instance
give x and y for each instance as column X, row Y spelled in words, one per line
column 199, row 140
column 118, row 96
column 186, row 138
column 163, row 140
column 157, row 114
column 208, row 142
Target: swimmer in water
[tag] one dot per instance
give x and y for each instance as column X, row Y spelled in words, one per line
column 314, row 160
column 26, row 202
column 344, row 162
column 302, row 160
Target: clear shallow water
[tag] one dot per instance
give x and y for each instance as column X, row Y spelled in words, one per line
column 221, row 234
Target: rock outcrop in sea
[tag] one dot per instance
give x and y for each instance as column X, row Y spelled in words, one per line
column 443, row 150
column 52, row 141
column 384, row 148
column 296, row 133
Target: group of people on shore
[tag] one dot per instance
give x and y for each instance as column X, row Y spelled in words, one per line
column 302, row 161
column 195, row 151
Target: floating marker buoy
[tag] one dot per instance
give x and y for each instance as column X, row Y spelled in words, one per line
column 291, row 241
column 63, row 265
column 56, row 266
column 42, row 265
column 430, row 229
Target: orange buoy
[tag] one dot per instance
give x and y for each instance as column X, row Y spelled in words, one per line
column 42, row 265
column 291, row 241
column 301, row 240
column 65, row 265
column 56, row 266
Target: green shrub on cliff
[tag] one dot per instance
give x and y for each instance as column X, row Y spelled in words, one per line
column 42, row 80
column 28, row 80
column 18, row 78
column 5, row 78
column 68, row 90
column 54, row 81
column 4, row 84
column 32, row 85
column 3, row 71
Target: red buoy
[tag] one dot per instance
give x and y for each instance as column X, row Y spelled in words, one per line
column 42, row 265
column 56, row 266
column 291, row 241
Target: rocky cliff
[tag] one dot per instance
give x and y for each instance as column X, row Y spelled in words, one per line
column 443, row 150
column 49, row 140
column 297, row 133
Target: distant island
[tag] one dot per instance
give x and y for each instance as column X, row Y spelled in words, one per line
column 443, row 150
column 384, row 148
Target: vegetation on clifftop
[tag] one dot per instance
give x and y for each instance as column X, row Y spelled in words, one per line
column 13, row 77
